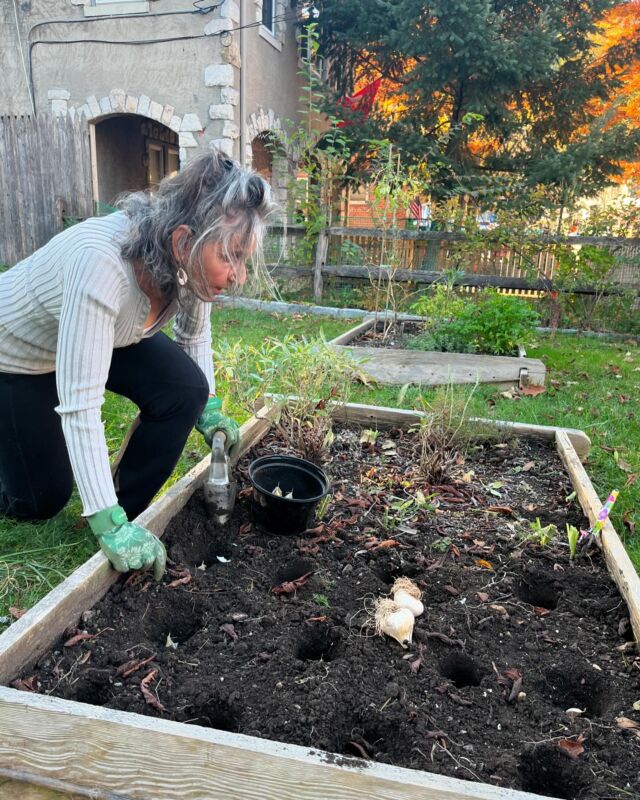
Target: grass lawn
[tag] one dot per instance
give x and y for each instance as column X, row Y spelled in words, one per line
column 591, row 385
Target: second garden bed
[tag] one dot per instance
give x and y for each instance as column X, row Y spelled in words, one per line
column 384, row 356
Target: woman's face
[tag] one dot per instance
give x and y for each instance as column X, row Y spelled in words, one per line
column 220, row 269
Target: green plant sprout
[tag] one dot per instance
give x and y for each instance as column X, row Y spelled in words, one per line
column 323, row 507
column 541, row 534
column 321, row 600
column 572, row 537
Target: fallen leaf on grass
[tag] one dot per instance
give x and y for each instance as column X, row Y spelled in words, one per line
column 148, row 695
column 572, row 747
column 290, row 587
column 628, row 522
column 532, row 391
column 16, row 612
column 79, row 637
column 625, row 465
column 631, row 480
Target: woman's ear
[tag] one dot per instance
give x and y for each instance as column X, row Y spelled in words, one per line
column 181, row 243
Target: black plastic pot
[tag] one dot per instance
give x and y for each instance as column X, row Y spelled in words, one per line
column 279, row 514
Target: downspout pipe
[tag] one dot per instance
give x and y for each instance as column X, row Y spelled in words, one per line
column 243, row 73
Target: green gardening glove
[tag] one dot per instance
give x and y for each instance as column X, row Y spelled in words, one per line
column 127, row 545
column 212, row 419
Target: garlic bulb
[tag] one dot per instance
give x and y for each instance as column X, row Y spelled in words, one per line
column 395, row 621
column 407, row 595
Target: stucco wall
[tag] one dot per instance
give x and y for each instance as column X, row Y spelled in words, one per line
column 191, row 85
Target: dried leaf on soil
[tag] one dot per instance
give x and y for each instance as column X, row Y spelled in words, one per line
column 480, row 562
column 483, row 597
column 230, row 631
column 149, row 696
column 629, row 725
column 290, row 587
column 572, row 747
column 129, row 667
column 25, row 684
column 79, row 637
column 179, row 582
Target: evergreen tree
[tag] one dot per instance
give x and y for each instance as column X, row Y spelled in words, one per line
column 496, row 96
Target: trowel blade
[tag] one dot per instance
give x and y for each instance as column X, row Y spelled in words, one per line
column 220, row 501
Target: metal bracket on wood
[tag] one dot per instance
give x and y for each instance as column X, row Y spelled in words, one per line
column 523, row 377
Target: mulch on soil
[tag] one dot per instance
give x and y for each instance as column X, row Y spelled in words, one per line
column 268, row 635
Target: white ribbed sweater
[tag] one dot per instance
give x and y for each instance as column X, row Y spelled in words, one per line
column 65, row 309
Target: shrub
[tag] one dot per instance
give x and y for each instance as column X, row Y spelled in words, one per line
column 495, row 324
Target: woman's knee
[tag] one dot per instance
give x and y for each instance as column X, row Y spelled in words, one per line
column 182, row 401
column 41, row 505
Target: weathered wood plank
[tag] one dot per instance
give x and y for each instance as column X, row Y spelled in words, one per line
column 31, row 635
column 450, row 236
column 431, row 368
column 19, row 790
column 618, row 562
column 143, row 758
column 386, row 417
column 42, row 157
column 353, row 333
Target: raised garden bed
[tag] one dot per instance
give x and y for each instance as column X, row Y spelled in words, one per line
column 285, row 694
column 388, row 361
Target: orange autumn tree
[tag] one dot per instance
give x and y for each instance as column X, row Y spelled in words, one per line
column 497, row 98
column 622, row 25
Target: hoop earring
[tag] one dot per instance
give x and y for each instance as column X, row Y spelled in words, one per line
column 181, row 277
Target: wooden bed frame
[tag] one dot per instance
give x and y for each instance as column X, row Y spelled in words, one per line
column 431, row 368
column 52, row 749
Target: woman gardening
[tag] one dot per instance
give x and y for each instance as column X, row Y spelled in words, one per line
column 84, row 313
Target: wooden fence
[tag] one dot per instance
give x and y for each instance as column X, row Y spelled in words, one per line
column 45, row 174
column 422, row 257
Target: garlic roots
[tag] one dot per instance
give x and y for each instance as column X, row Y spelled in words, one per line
column 394, row 620
column 407, row 595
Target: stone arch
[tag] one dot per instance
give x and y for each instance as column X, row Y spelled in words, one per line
column 267, row 151
column 119, row 102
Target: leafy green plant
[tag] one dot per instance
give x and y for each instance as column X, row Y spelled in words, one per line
column 444, row 431
column 309, row 373
column 439, row 304
column 494, row 324
column 321, row 600
column 540, row 534
column 572, row 538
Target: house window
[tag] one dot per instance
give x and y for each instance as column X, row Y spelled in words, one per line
column 267, row 15
column 107, row 8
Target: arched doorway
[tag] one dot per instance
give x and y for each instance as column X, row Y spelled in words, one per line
column 129, row 153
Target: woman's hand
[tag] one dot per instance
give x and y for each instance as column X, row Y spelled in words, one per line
column 127, row 545
column 212, row 419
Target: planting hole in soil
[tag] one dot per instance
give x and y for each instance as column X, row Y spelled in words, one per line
column 548, row 771
column 461, row 670
column 214, row 713
column 568, row 688
column 273, row 636
column 318, row 645
column 537, row 590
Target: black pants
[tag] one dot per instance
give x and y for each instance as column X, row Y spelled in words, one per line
column 35, row 473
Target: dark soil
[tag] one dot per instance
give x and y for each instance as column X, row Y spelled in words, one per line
column 391, row 336
column 512, row 636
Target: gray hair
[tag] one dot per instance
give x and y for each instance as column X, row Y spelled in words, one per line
column 217, row 200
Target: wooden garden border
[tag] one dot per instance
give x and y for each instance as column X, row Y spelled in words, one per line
column 461, row 367
column 52, row 749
